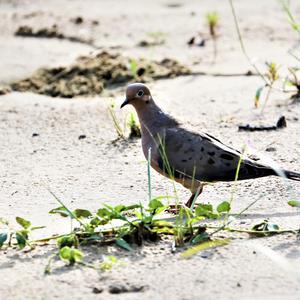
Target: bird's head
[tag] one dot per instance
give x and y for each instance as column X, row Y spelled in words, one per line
column 138, row 95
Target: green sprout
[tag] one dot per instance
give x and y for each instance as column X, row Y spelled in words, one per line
column 133, row 125
column 116, row 122
column 212, row 19
column 272, row 76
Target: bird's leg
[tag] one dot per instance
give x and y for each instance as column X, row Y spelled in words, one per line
column 194, row 196
column 175, row 208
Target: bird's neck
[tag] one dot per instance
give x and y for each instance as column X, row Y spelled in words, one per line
column 153, row 119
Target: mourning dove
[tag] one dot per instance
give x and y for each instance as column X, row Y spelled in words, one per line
column 190, row 158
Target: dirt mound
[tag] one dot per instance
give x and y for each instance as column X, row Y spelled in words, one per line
column 52, row 32
column 27, row 31
column 89, row 75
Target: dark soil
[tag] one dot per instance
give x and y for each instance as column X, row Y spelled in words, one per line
column 89, row 75
column 50, row 33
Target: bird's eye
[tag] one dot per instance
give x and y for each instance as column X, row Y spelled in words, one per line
column 140, row 93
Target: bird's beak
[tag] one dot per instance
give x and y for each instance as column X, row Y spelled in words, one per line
column 124, row 103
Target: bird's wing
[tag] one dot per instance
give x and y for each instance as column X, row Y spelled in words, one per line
column 203, row 157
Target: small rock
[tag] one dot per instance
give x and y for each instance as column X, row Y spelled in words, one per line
column 35, row 134
column 270, row 149
column 238, row 284
column 77, row 20
column 120, row 288
column 117, row 289
column 281, row 123
column 82, row 136
column 97, row 290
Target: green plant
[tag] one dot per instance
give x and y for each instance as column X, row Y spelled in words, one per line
column 133, row 125
column 129, row 225
column 272, row 76
column 20, row 236
column 116, row 122
column 212, row 19
column 291, row 18
column 293, row 81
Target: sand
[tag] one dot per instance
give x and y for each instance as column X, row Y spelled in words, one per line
column 90, row 171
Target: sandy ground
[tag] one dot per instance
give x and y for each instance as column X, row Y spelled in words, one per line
column 88, row 172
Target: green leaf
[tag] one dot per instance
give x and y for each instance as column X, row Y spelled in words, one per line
column 223, row 207
column 202, row 237
column 108, row 263
column 133, row 67
column 21, row 239
column 95, row 222
column 3, row 238
column 67, row 240
column 61, row 211
column 121, row 208
column 24, row 223
column 123, row 244
column 294, row 203
column 260, row 226
column 257, row 96
column 82, row 213
column 155, row 204
column 104, row 213
column 265, row 226
column 163, row 230
column 206, row 245
column 94, row 237
column 205, row 210
column 37, row 227
column 70, row 254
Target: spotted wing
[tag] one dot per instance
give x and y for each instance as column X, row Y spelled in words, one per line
column 204, row 158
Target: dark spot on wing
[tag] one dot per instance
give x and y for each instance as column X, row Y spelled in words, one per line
column 190, row 158
column 228, row 164
column 212, row 153
column 226, row 156
column 184, row 160
column 202, row 149
column 211, row 161
column 188, row 151
column 189, row 140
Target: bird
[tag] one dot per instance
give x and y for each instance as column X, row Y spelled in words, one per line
column 193, row 159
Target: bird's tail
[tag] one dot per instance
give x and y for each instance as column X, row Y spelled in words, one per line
column 292, row 175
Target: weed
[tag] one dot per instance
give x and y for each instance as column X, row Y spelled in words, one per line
column 116, row 122
column 212, row 19
column 133, row 125
column 273, row 76
column 126, row 226
column 133, row 66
